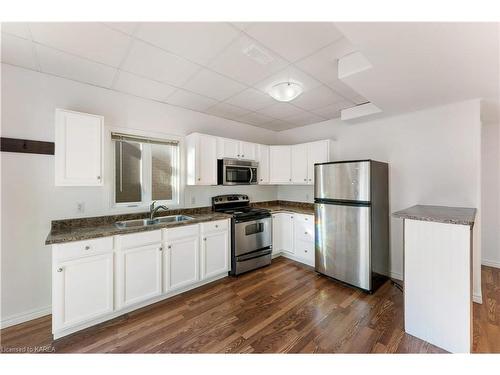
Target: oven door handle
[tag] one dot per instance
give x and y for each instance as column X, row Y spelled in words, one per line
column 261, row 220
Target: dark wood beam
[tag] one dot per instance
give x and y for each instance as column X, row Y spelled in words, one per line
column 26, row 146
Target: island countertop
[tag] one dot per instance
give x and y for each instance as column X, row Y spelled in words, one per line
column 439, row 214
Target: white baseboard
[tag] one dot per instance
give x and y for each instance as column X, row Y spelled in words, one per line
column 396, row 275
column 490, row 263
column 477, row 298
column 25, row 316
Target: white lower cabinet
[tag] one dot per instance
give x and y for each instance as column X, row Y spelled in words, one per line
column 82, row 290
column 139, row 274
column 181, row 262
column 215, row 249
column 99, row 279
column 293, row 236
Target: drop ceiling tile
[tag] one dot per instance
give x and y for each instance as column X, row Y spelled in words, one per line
column 18, row 51
column 235, row 63
column 191, row 100
column 279, row 125
column 227, row 111
column 143, row 87
column 291, row 74
column 294, row 40
column 333, row 110
column 213, row 85
column 305, row 119
column 196, row 41
column 322, row 65
column 254, row 118
column 317, row 98
column 73, row 67
column 125, row 27
column 20, row 29
column 251, row 99
column 281, row 111
column 152, row 62
column 91, row 40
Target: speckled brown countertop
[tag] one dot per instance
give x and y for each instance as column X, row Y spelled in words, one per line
column 79, row 229
column 287, row 206
column 439, row 214
column 103, row 226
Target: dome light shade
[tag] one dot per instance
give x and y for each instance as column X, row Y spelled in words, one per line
column 285, row 91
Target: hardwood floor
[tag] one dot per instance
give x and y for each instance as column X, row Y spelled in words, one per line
column 284, row 308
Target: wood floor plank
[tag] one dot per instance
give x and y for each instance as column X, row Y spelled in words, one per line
column 283, row 308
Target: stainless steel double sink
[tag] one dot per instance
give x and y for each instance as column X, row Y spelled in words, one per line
column 147, row 222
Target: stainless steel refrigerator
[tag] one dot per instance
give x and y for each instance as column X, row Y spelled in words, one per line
column 351, row 202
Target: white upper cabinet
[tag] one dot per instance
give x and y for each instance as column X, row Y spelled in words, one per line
column 263, row 159
column 280, row 162
column 201, row 159
column 78, row 149
column 299, row 164
column 234, row 149
column 317, row 152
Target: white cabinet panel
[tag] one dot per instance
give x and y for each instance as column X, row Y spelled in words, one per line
column 317, row 152
column 139, row 274
column 283, row 233
column 299, row 164
column 304, row 251
column 82, row 290
column 78, row 149
column 248, row 151
column 228, row 148
column 277, row 233
column 182, row 259
column 214, row 253
column 201, row 159
column 263, row 159
column 280, row 164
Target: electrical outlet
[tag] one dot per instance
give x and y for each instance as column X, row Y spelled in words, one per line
column 80, row 207
column 307, row 197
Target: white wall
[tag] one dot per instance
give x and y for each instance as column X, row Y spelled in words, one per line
column 29, row 198
column 490, row 193
column 433, row 156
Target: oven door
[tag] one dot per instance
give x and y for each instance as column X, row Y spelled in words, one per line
column 252, row 235
column 239, row 175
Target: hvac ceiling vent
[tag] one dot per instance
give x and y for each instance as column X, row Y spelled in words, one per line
column 258, row 54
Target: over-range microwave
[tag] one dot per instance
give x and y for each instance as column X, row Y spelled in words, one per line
column 237, row 172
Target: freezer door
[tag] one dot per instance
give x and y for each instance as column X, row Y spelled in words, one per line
column 343, row 243
column 343, row 181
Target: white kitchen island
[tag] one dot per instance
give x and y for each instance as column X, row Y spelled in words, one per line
column 438, row 275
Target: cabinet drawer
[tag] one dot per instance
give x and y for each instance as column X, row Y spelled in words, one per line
column 80, row 249
column 212, row 226
column 138, row 239
column 181, row 232
column 304, row 228
column 305, row 251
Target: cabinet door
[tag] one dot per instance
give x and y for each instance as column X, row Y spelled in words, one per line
column 299, row 164
column 317, row 152
column 82, row 290
column 207, row 160
column 228, row 148
column 182, row 259
column 277, row 233
column 248, row 151
column 78, row 149
column 280, row 164
column 288, row 233
column 139, row 274
column 214, row 254
column 263, row 159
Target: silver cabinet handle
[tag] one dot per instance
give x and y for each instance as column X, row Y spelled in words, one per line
column 242, row 156
column 204, row 239
column 216, row 226
column 169, row 246
column 98, row 177
column 289, row 179
column 160, row 248
column 305, row 218
column 238, row 155
column 59, row 269
column 305, row 232
column 305, row 251
column 309, row 179
column 305, row 179
column 87, row 247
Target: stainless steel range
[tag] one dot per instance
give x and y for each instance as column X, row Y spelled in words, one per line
column 251, row 232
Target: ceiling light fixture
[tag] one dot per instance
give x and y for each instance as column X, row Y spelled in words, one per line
column 285, row 91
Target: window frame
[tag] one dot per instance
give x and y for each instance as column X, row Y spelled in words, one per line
column 146, row 186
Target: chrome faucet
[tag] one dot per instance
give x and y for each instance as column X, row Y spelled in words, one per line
column 153, row 210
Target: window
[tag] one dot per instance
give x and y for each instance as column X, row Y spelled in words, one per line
column 146, row 169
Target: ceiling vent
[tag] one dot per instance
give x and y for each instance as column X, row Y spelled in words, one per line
column 258, row 54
